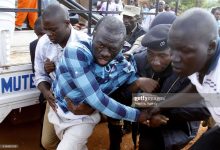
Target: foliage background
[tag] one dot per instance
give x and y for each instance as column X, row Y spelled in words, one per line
column 186, row 4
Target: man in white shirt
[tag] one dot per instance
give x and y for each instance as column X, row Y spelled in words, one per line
column 111, row 7
column 195, row 49
column 59, row 33
column 147, row 20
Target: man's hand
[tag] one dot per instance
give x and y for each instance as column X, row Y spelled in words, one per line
column 49, row 66
column 147, row 114
column 158, row 120
column 147, row 85
column 81, row 109
column 127, row 55
column 48, row 95
column 144, row 117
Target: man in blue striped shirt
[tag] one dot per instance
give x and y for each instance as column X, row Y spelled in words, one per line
column 87, row 73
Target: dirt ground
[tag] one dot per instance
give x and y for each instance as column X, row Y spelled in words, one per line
column 100, row 141
column 23, row 129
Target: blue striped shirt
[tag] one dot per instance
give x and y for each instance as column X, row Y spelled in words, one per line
column 79, row 78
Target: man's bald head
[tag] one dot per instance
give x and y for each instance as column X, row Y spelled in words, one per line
column 56, row 12
column 112, row 25
column 193, row 39
column 56, row 23
column 195, row 23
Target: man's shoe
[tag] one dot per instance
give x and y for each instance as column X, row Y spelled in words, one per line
column 17, row 28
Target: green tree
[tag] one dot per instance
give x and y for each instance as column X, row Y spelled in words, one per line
column 187, row 4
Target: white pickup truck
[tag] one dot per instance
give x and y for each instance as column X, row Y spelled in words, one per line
column 17, row 87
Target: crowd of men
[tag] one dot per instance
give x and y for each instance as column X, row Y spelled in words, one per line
column 82, row 76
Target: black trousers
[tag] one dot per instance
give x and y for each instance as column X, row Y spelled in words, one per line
column 150, row 138
column 210, row 140
column 115, row 135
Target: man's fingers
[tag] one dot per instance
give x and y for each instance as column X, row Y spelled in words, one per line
column 49, row 65
column 67, row 100
column 52, row 98
column 155, row 84
column 163, row 122
column 70, row 105
column 147, row 122
column 52, row 105
column 164, row 117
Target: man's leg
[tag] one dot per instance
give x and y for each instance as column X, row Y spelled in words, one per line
column 32, row 16
column 76, row 137
column 115, row 133
column 209, row 140
column 150, row 138
column 49, row 138
column 21, row 16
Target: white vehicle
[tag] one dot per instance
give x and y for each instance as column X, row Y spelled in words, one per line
column 17, row 87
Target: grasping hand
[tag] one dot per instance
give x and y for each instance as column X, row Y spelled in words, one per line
column 158, row 120
column 81, row 109
column 49, row 66
column 48, row 95
column 147, row 85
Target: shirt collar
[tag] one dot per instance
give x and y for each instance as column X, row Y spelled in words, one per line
column 215, row 58
column 136, row 27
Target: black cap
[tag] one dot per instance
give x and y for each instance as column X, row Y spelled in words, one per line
column 156, row 37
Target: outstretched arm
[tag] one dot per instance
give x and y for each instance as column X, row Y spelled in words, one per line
column 74, row 73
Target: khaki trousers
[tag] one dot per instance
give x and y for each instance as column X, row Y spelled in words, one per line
column 49, row 138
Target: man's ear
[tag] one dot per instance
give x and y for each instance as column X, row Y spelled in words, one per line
column 212, row 47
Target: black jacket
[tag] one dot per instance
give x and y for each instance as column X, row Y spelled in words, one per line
column 32, row 48
column 183, row 122
column 136, row 33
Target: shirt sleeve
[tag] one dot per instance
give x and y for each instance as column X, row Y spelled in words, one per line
column 40, row 74
column 74, row 71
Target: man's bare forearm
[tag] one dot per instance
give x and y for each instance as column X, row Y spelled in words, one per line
column 134, row 87
column 44, row 86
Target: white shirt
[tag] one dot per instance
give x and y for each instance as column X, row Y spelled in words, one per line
column 47, row 50
column 148, row 19
column 111, row 7
column 210, row 89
